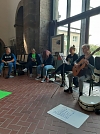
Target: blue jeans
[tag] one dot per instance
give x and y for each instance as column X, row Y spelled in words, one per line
column 45, row 69
column 9, row 66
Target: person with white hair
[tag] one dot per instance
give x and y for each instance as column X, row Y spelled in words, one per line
column 86, row 72
column 7, row 59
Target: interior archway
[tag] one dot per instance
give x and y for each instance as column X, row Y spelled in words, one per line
column 2, row 45
column 19, row 31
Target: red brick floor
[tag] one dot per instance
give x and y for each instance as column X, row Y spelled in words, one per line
column 25, row 111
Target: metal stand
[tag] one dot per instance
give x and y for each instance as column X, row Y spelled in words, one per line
column 54, row 92
column 63, row 76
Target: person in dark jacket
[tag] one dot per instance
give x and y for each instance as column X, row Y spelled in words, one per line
column 86, row 72
column 71, row 58
column 47, row 64
column 33, row 60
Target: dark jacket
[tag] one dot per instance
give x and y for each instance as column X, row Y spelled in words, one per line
column 72, row 58
column 49, row 61
column 38, row 61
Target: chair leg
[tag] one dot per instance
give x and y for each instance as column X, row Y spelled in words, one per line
column 55, row 77
column 63, row 81
column 3, row 72
column 27, row 71
column 91, row 87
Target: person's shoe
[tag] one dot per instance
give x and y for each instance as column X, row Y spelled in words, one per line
column 76, row 86
column 53, row 73
column 0, row 75
column 7, row 77
column 31, row 75
column 80, row 94
column 37, row 78
column 43, row 80
column 69, row 90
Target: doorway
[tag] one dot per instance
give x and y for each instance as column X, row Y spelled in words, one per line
column 2, row 45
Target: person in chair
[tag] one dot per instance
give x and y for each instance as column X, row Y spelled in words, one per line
column 86, row 72
column 71, row 58
column 47, row 64
column 8, row 60
column 33, row 60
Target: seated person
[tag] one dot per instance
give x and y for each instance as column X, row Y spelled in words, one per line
column 33, row 60
column 71, row 58
column 85, row 73
column 47, row 64
column 7, row 59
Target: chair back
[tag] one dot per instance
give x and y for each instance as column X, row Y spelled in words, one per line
column 18, row 57
column 55, row 61
column 97, row 63
column 26, row 56
column 22, row 58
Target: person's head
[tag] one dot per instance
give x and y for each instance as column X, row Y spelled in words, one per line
column 8, row 50
column 46, row 54
column 86, row 48
column 33, row 51
column 72, row 49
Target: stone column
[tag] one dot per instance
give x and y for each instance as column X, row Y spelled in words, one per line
column 45, row 17
column 36, row 24
column 31, row 24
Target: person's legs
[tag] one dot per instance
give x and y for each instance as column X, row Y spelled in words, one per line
column 39, row 68
column 75, row 81
column 70, row 77
column 30, row 66
column 9, row 69
column 14, row 65
column 45, row 69
column 81, row 80
column 1, row 66
column 64, row 69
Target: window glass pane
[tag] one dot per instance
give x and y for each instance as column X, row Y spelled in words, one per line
column 76, row 7
column 94, row 3
column 63, row 30
column 60, row 9
column 94, row 33
column 75, row 35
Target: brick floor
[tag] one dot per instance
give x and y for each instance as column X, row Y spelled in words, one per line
column 25, row 110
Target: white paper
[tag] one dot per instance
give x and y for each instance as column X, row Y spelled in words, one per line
column 68, row 115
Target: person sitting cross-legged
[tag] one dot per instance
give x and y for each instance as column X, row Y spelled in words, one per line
column 47, row 64
column 7, row 59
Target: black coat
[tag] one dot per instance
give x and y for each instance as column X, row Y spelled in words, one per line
column 49, row 61
column 38, row 61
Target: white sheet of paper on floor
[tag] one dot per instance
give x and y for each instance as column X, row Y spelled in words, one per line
column 68, row 115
